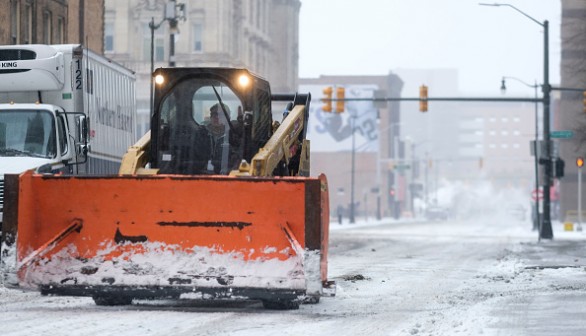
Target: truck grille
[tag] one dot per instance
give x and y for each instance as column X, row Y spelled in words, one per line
column 17, row 54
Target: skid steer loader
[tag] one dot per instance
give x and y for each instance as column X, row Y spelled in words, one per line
column 214, row 202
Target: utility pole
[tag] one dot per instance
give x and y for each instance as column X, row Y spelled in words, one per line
column 545, row 231
column 173, row 16
column 352, row 217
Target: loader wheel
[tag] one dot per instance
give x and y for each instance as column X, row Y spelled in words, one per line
column 281, row 305
column 108, row 300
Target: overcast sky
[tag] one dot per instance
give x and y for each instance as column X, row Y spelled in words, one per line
column 373, row 37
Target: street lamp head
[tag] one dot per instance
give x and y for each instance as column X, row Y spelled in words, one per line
column 503, row 86
column 515, row 8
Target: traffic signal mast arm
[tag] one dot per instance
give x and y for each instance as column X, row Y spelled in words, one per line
column 472, row 99
column 450, row 99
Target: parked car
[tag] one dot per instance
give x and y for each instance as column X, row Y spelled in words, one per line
column 436, row 212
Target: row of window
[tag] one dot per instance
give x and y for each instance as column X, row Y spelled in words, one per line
column 52, row 34
column 502, row 146
column 158, row 41
column 494, row 119
column 502, row 132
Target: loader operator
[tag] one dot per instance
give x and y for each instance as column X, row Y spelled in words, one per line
column 225, row 135
column 219, row 130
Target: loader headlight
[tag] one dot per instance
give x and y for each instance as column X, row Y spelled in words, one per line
column 159, row 79
column 244, row 80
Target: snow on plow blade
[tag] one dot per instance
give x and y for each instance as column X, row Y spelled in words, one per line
column 167, row 235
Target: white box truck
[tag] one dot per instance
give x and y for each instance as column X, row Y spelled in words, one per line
column 63, row 109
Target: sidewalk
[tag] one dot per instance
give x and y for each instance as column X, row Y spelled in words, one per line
column 566, row 249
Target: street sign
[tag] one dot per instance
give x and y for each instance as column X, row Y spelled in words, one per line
column 537, row 195
column 562, row 134
column 402, row 166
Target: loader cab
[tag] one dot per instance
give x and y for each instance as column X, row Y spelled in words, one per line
column 207, row 120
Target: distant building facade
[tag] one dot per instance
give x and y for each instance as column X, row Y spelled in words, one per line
column 261, row 35
column 52, row 22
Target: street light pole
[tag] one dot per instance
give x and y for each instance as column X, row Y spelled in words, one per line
column 153, row 27
column 545, row 230
column 173, row 16
column 353, row 121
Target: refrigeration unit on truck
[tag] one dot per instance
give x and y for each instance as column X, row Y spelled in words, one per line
column 63, row 109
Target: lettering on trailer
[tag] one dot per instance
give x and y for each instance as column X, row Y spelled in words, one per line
column 114, row 118
column 5, row 65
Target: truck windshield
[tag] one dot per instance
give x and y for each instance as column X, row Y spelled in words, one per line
column 201, row 124
column 27, row 133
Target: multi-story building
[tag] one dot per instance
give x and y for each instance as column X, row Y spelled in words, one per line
column 261, row 35
column 572, row 115
column 52, row 22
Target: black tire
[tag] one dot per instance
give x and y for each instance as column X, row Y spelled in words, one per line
column 109, row 300
column 311, row 300
column 281, row 304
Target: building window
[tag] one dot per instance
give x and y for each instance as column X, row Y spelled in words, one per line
column 109, row 36
column 28, row 24
column 60, row 30
column 15, row 21
column 197, row 30
column 47, row 27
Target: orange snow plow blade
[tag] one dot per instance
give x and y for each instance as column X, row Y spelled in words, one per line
column 167, row 235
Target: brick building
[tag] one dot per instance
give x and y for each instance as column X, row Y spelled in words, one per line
column 52, row 22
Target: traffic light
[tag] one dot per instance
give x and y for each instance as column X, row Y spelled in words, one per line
column 559, row 166
column 392, row 194
column 584, row 100
column 480, row 163
column 327, row 99
column 423, row 98
column 340, row 96
column 580, row 162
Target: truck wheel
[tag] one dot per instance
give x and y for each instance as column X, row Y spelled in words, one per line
column 109, row 300
column 280, row 304
column 311, row 299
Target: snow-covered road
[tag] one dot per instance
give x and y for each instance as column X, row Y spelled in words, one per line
column 488, row 277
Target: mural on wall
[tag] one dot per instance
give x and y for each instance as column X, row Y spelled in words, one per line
column 331, row 131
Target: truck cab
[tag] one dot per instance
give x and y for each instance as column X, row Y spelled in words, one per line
column 35, row 136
